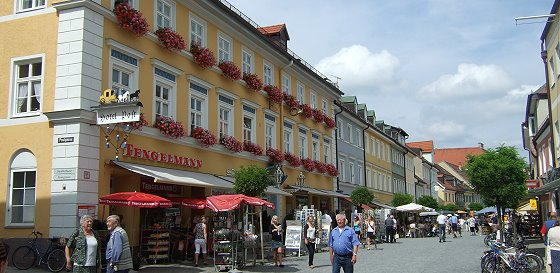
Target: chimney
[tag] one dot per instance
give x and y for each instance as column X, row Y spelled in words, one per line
column 278, row 34
column 481, row 145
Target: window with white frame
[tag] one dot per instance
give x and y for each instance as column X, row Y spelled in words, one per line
column 315, row 147
column 302, row 143
column 359, row 174
column 357, row 138
column 269, row 131
column 314, row 100
column 288, row 132
column 22, row 189
column 339, row 129
column 164, row 91
column 341, row 168
column 286, row 84
column 552, row 70
column 198, row 30
column 349, row 133
column 224, row 48
column 368, row 178
column 198, row 105
column 377, row 149
column 324, row 107
column 299, row 95
column 327, row 151
column 247, row 57
column 352, row 173
column 268, row 78
column 165, row 14
column 249, row 124
column 28, row 86
column 25, row 5
column 225, row 116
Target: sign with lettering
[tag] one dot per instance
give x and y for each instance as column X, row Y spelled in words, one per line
column 161, row 188
column 293, row 235
column 64, row 174
column 135, row 152
column 90, row 210
column 65, row 139
column 533, row 204
column 117, row 113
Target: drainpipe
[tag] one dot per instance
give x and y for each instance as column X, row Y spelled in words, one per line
column 551, row 124
column 364, row 149
column 336, row 144
column 404, row 164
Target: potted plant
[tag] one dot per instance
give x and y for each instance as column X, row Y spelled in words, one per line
column 293, row 160
column 275, row 95
column 130, row 19
column 291, row 101
column 252, row 148
column 202, row 56
column 318, row 115
column 170, row 39
column 253, row 81
column 169, row 127
column 232, row 144
column 320, row 166
column 307, row 110
column 275, row 155
column 308, row 164
column 329, row 122
column 332, row 170
column 203, row 136
column 230, row 70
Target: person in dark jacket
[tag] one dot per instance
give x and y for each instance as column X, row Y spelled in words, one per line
column 82, row 248
column 389, row 230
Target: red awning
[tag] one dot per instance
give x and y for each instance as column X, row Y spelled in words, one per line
column 233, row 201
column 193, row 203
column 135, row 199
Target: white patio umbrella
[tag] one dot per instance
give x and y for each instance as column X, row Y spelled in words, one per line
column 413, row 207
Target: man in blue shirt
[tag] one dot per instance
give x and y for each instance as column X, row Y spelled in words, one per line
column 343, row 243
column 454, row 222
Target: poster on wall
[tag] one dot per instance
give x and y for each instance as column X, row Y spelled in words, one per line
column 293, row 236
column 90, row 210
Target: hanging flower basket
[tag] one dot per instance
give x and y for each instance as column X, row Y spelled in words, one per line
column 307, row 110
column 329, row 122
column 293, row 160
column 332, row 170
column 170, row 39
column 169, row 127
column 276, row 156
column 232, row 144
column 308, row 164
column 202, row 56
column 252, row 148
column 230, row 70
column 137, row 125
column 204, row 137
column 130, row 19
column 320, row 166
column 318, row 116
column 275, row 95
column 253, row 81
column 291, row 101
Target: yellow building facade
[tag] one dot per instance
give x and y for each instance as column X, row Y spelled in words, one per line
column 378, row 165
column 54, row 83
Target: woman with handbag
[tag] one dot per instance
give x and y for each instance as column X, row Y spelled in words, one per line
column 82, row 248
column 310, row 233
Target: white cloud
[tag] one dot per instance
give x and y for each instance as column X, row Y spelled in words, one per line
column 359, row 67
column 446, row 130
column 471, row 80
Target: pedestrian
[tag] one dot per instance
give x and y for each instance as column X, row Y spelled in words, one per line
column 371, row 232
column 389, row 237
column 309, row 232
column 343, row 244
column 544, row 232
column 472, row 225
column 82, row 248
column 553, row 236
column 454, row 222
column 461, row 226
column 357, row 226
column 4, row 250
column 276, row 243
column 200, row 238
column 395, row 229
column 117, row 254
column 327, row 219
column 441, row 220
column 476, row 225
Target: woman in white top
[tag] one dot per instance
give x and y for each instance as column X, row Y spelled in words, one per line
column 371, row 232
column 310, row 231
column 82, row 251
column 554, row 245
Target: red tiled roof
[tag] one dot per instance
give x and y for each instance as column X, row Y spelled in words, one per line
column 271, row 29
column 425, row 146
column 456, row 156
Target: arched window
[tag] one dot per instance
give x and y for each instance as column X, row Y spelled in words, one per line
column 21, row 194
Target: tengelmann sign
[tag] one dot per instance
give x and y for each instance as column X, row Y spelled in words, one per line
column 117, row 113
column 156, row 156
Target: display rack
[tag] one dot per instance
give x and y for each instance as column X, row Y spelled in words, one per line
column 156, row 246
column 227, row 243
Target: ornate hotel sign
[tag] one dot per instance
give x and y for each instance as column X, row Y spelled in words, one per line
column 117, row 113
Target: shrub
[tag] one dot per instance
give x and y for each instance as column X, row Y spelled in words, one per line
column 251, row 181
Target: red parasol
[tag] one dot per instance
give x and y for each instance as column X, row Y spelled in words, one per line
column 193, row 203
column 231, row 202
column 135, row 199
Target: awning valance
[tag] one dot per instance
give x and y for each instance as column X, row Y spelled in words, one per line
column 549, row 187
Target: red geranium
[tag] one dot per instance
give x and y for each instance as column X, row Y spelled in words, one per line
column 307, row 110
column 131, row 19
column 320, row 166
column 329, row 122
column 308, row 164
column 291, row 101
column 276, row 156
column 171, row 39
column 293, row 160
column 252, row 148
column 318, row 115
column 204, row 137
column 230, row 70
column 253, row 81
column 275, row 95
column 232, row 144
column 169, row 127
column 332, row 170
column 202, row 56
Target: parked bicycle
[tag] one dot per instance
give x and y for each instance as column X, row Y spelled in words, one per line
column 501, row 258
column 25, row 257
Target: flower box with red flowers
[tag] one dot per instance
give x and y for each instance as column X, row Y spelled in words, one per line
column 230, row 70
column 203, row 136
column 130, row 19
column 202, row 56
column 253, row 81
column 293, row 160
column 169, row 127
column 275, row 155
column 329, row 122
column 318, row 115
column 252, row 148
column 232, row 144
column 320, row 166
column 275, row 95
column 291, row 101
column 171, row 39
column 308, row 164
column 307, row 110
column 332, row 170
column 137, row 125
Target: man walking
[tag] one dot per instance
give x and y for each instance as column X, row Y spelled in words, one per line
column 548, row 224
column 441, row 220
column 389, row 236
column 117, row 254
column 343, row 243
column 454, row 222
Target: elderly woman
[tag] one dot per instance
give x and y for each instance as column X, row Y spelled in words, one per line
column 82, row 248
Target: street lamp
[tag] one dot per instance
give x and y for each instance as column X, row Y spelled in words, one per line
column 300, row 179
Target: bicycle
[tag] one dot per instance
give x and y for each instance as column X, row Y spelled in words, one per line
column 24, row 257
column 510, row 259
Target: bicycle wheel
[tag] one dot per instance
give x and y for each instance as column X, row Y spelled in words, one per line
column 532, row 263
column 489, row 238
column 489, row 265
column 56, row 261
column 24, row 257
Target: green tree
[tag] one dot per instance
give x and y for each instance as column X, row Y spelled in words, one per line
column 475, row 206
column 361, row 195
column 400, row 199
column 251, row 180
column 428, row 201
column 449, row 207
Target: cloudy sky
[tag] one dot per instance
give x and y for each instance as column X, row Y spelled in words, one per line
column 455, row 71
